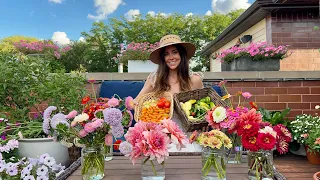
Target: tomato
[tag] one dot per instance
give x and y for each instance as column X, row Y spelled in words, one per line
column 116, row 145
column 167, row 104
column 193, row 114
column 163, row 99
column 160, row 104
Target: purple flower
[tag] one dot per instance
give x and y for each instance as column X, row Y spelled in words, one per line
column 125, row 147
column 30, row 177
column 112, row 116
column 2, row 167
column 57, row 168
column 1, row 156
column 42, row 178
column 12, row 171
column 46, row 119
column 33, row 161
column 42, row 171
column 57, row 119
column 117, row 131
column 43, row 157
column 49, row 161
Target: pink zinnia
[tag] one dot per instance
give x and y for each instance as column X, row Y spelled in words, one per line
column 89, row 127
column 129, row 103
column 113, row 102
column 210, row 120
column 83, row 133
column 72, row 114
column 108, row 140
column 176, row 135
column 246, row 95
column 157, row 145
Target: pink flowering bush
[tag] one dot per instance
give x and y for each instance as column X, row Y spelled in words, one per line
column 135, row 51
column 256, row 51
column 41, row 47
column 152, row 140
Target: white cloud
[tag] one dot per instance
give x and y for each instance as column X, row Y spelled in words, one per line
column 130, row 15
column 152, row 13
column 189, row 14
column 60, row 38
column 224, row 6
column 81, row 39
column 105, row 7
column 56, row 1
column 208, row 13
column 164, row 14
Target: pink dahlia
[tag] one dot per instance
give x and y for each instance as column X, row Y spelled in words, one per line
column 72, row 114
column 113, row 102
column 134, row 134
column 129, row 103
column 157, row 145
column 176, row 135
column 282, row 145
column 282, row 131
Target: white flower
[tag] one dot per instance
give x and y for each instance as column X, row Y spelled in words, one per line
column 42, row 171
column 317, row 107
column 81, row 117
column 49, row 161
column 268, row 130
column 43, row 157
column 219, row 114
column 42, row 178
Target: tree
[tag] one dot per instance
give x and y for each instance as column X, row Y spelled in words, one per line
column 102, row 48
column 7, row 43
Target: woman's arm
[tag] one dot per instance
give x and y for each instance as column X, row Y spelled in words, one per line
column 196, row 82
column 147, row 88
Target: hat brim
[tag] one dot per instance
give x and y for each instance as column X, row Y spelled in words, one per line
column 155, row 54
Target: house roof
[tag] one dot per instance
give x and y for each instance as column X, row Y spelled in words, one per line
column 255, row 13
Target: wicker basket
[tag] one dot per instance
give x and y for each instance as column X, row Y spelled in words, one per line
column 197, row 95
column 74, row 153
column 152, row 96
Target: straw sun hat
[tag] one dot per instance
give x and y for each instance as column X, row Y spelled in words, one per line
column 170, row 40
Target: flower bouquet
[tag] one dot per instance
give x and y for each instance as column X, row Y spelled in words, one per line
column 214, row 143
column 94, row 129
column 150, row 141
column 226, row 119
column 261, row 138
column 44, row 168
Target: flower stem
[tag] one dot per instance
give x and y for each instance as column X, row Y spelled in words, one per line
column 153, row 168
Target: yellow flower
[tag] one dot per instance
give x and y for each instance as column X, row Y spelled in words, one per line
column 215, row 142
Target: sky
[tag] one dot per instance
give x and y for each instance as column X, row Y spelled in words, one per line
column 64, row 20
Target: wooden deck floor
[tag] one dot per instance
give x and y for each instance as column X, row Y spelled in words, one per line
column 188, row 167
column 295, row 167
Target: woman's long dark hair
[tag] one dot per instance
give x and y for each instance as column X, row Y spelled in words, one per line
column 162, row 84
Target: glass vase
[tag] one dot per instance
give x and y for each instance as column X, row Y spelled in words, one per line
column 213, row 164
column 108, row 152
column 234, row 154
column 260, row 165
column 152, row 170
column 92, row 163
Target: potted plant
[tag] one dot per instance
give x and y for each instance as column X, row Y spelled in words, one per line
column 303, row 130
column 256, row 57
column 136, row 57
column 312, row 144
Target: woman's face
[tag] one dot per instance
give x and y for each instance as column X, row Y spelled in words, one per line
column 172, row 57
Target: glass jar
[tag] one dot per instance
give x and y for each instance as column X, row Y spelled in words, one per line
column 152, row 170
column 260, row 165
column 92, row 163
column 213, row 164
column 108, row 152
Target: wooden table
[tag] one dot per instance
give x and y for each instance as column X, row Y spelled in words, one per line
column 176, row 168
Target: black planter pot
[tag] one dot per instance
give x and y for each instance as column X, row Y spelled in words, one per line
column 246, row 64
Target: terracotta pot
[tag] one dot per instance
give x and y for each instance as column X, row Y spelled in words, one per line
column 313, row 158
column 316, row 176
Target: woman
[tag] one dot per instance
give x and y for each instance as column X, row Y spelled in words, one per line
column 173, row 74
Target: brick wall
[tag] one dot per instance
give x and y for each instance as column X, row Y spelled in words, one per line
column 297, row 29
column 300, row 96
